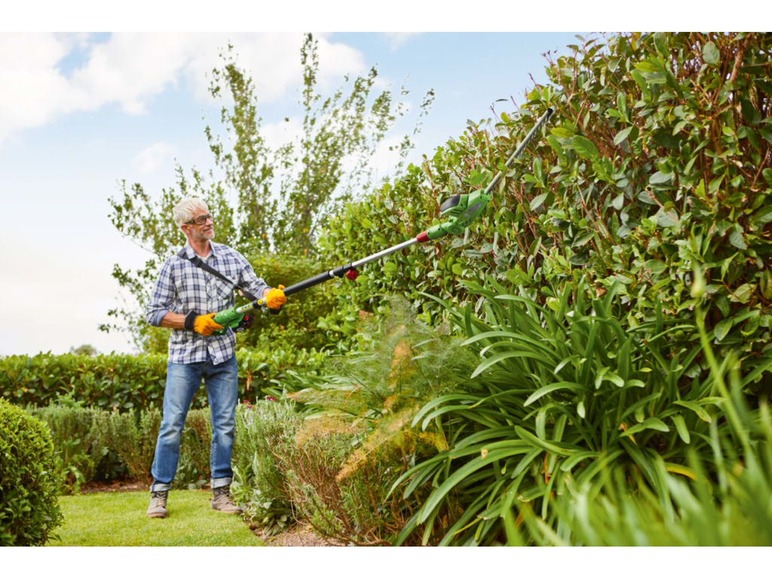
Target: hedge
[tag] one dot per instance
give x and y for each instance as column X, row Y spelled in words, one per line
column 126, row 382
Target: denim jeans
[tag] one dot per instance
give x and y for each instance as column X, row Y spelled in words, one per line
column 182, row 383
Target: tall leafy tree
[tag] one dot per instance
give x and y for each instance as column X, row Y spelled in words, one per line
column 266, row 197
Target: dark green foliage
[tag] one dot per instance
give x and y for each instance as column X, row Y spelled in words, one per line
column 389, row 216
column 296, row 326
column 29, row 485
column 661, row 167
column 124, row 382
column 112, row 381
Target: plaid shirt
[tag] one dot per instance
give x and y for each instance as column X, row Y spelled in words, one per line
column 182, row 287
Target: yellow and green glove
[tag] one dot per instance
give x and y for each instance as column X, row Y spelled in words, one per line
column 202, row 324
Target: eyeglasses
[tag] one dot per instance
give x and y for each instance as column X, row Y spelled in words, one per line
column 200, row 220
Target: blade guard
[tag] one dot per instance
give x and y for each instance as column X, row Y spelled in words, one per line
column 461, row 210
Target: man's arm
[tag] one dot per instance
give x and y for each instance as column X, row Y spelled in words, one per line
column 173, row 321
column 201, row 324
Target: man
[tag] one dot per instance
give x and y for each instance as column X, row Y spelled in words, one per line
column 185, row 299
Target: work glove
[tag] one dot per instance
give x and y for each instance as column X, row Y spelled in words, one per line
column 275, row 299
column 202, row 324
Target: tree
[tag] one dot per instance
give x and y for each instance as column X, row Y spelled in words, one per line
column 265, row 197
column 84, row 350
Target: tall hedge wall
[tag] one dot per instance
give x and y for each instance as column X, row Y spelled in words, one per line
column 654, row 172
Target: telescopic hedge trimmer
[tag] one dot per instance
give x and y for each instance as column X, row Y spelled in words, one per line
column 459, row 211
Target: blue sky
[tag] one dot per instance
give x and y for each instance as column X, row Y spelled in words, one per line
column 79, row 112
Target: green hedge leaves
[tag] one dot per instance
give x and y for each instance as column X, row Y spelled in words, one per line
column 126, row 382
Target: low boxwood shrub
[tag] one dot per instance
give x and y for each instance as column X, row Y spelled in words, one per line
column 29, row 484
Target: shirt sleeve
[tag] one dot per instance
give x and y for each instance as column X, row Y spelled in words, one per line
column 162, row 298
column 249, row 279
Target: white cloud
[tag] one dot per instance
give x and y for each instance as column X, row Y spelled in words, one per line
column 129, row 69
column 30, row 79
column 156, row 156
column 398, row 39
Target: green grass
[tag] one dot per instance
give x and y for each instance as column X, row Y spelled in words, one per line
column 118, row 519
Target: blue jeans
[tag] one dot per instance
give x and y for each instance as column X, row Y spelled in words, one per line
column 222, row 390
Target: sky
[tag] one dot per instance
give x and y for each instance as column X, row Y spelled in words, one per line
column 80, row 112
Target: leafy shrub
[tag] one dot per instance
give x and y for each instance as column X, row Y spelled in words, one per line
column 29, row 485
column 265, row 433
column 79, row 448
column 113, row 381
column 660, row 169
column 272, row 370
column 124, row 382
column 131, row 437
column 296, row 326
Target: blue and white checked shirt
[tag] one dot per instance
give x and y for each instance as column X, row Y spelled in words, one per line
column 182, row 287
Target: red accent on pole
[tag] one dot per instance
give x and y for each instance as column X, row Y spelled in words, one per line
column 422, row 237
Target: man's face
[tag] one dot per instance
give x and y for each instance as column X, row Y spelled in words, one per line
column 201, row 227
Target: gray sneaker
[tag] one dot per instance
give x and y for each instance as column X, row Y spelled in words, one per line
column 222, row 501
column 157, row 507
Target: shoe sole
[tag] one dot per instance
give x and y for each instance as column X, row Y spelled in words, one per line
column 228, row 511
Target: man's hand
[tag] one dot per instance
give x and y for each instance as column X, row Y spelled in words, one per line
column 275, row 298
column 204, row 324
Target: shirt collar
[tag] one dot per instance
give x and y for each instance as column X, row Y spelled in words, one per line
column 190, row 253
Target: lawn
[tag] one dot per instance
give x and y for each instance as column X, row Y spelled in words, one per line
column 112, row 519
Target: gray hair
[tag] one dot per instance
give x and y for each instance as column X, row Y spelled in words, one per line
column 188, row 209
